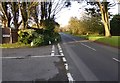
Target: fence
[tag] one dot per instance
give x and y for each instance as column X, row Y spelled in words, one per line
column 8, row 35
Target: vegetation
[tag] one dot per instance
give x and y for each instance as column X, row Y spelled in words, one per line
column 115, row 24
column 28, row 35
column 14, row 45
column 42, row 14
column 102, row 7
column 88, row 25
column 37, row 37
column 91, row 27
column 112, row 41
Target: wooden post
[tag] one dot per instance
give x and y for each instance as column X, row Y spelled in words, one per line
column 1, row 37
column 11, row 36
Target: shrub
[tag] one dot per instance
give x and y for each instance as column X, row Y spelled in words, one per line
column 51, row 37
column 26, row 36
column 30, row 35
column 38, row 41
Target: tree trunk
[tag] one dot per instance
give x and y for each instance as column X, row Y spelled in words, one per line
column 105, row 17
column 107, row 31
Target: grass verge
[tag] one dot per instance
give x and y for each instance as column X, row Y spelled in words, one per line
column 14, row 45
column 112, row 41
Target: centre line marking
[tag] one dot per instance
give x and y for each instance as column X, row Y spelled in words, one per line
column 116, row 59
column 88, row 46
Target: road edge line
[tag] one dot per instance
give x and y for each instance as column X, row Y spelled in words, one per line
column 69, row 76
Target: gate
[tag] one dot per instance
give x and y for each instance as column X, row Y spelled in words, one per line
column 8, row 35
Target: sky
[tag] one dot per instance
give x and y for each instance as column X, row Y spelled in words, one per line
column 75, row 11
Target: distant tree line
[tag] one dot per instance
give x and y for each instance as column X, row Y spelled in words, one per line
column 88, row 25
column 92, row 25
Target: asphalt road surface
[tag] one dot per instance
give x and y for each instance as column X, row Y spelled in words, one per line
column 31, row 65
column 74, row 59
column 90, row 61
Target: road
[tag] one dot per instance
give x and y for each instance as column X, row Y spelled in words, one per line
column 89, row 61
column 73, row 59
column 31, row 65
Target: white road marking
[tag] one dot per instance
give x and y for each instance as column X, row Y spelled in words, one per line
column 59, row 47
column 53, row 50
column 52, row 54
column 60, row 50
column 41, row 56
column 70, row 78
column 88, row 46
column 53, row 47
column 58, row 55
column 61, row 54
column 116, row 59
column 64, row 59
column 46, row 56
column 66, row 66
column 82, row 43
column 10, row 57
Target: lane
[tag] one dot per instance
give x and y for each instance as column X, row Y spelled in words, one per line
column 105, row 50
column 87, row 64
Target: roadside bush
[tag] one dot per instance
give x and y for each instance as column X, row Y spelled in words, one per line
column 52, row 37
column 38, row 41
column 30, row 35
column 57, row 37
column 26, row 36
column 35, row 38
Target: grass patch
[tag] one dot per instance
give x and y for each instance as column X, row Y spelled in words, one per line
column 112, row 41
column 14, row 45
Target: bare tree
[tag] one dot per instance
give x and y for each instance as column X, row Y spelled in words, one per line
column 6, row 15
